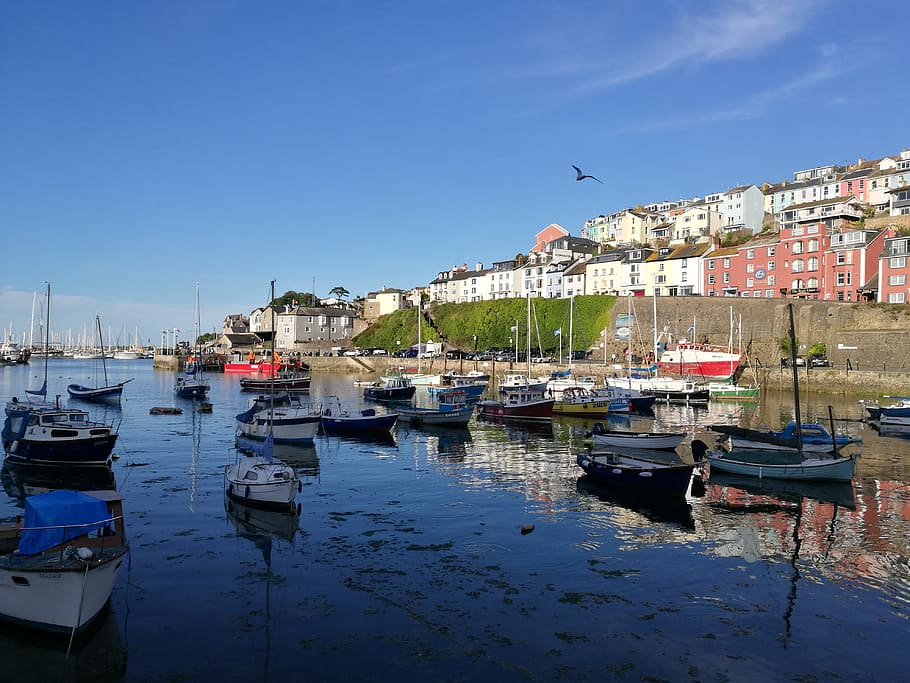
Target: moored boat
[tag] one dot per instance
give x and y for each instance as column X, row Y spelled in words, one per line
column 338, row 420
column 700, row 360
column 71, row 546
column 453, row 408
column 580, row 402
column 815, row 438
column 285, row 378
column 392, row 389
column 54, row 435
column 609, row 438
column 518, row 404
column 655, row 472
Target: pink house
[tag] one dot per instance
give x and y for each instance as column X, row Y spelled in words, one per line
column 894, row 271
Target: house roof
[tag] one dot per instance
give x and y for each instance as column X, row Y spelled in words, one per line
column 723, row 251
column 824, row 202
column 242, row 338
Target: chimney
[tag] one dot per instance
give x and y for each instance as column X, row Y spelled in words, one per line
column 478, row 266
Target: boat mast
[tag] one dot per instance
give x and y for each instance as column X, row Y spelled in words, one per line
column 571, row 311
column 31, row 326
column 799, row 424
column 101, row 341
column 529, row 337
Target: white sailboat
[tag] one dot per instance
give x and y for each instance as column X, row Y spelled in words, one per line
column 262, row 480
column 192, row 384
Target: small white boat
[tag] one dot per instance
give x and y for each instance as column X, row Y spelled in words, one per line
column 71, row 545
column 453, row 409
column 290, row 421
column 606, row 438
column 261, row 480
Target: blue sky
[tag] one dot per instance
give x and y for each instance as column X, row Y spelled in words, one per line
column 147, row 146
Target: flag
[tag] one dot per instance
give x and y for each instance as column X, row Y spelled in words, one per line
column 558, row 332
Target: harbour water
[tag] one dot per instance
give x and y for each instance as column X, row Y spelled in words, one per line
column 408, row 558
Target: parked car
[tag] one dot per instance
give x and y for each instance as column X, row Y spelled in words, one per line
column 455, row 354
column 785, row 362
column 543, row 359
column 819, row 362
column 355, row 352
column 380, row 352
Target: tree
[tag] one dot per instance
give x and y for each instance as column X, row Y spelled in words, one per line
column 292, row 299
column 339, row 292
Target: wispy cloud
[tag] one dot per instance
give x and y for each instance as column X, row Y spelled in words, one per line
column 737, row 30
column 754, row 106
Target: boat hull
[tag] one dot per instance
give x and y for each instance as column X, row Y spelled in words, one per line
column 533, row 410
column 638, row 473
column 98, row 394
column 653, row 440
column 358, row 425
column 389, row 394
column 458, row 417
column 262, row 482
column 809, row 469
column 262, row 384
column 59, row 597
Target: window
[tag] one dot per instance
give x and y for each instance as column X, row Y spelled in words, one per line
column 750, row 253
column 813, row 245
column 898, row 262
column 750, row 282
column 897, row 280
column 772, row 280
column 812, row 283
column 726, row 278
column 750, row 267
column 710, row 264
column 812, row 263
column 844, row 278
column 841, row 258
column 772, row 251
column 769, row 293
column 798, row 265
column 797, row 246
column 711, row 278
column 726, row 263
column 897, row 298
column 772, row 265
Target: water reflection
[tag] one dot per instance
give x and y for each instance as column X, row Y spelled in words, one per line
column 267, row 530
column 597, row 496
column 97, row 655
column 28, row 479
column 302, row 457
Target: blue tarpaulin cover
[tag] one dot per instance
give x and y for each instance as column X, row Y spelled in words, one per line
column 57, row 509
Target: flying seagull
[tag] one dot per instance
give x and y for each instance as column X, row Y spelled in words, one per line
column 582, row 176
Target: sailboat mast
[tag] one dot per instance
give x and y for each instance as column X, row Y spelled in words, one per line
column 31, row 326
column 798, row 419
column 529, row 337
column 101, row 341
column 571, row 317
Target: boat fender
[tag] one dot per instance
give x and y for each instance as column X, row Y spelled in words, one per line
column 230, row 488
column 84, row 554
column 299, row 487
column 500, row 412
column 615, row 471
column 644, row 474
column 246, row 493
column 327, row 412
column 298, row 508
